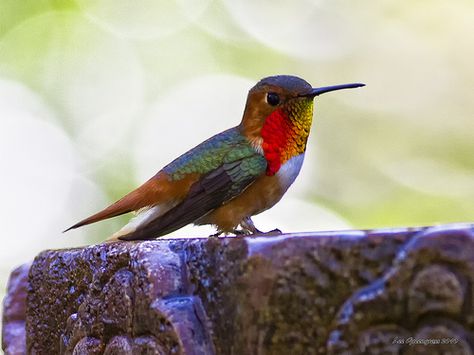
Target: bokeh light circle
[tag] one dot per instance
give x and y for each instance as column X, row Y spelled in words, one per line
column 39, row 177
column 300, row 28
column 150, row 19
column 92, row 79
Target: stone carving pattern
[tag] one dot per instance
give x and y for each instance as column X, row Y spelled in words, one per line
column 426, row 296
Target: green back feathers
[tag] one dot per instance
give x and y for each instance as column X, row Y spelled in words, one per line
column 226, row 147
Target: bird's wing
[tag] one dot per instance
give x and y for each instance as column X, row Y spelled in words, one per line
column 209, row 192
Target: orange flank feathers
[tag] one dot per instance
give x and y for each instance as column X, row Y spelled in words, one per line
column 156, row 191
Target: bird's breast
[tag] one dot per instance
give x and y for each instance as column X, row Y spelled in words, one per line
column 289, row 171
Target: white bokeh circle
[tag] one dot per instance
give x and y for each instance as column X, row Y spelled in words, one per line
column 144, row 20
column 92, row 78
column 39, row 176
column 300, row 28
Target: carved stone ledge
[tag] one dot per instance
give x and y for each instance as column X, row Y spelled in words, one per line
column 407, row 291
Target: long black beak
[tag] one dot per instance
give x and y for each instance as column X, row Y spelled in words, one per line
column 318, row 91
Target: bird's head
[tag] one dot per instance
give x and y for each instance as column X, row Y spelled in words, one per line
column 281, row 106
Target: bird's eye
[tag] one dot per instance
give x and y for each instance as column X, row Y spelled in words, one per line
column 273, row 98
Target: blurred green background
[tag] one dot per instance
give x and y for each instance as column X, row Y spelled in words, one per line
column 96, row 96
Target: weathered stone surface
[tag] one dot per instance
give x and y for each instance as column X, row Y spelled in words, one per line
column 407, row 291
column 14, row 312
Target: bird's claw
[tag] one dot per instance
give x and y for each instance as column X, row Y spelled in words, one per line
column 275, row 231
column 237, row 232
column 248, row 229
column 241, row 232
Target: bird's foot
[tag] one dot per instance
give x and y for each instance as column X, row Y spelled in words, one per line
column 275, row 231
column 249, row 227
column 215, row 235
column 242, row 231
column 237, row 232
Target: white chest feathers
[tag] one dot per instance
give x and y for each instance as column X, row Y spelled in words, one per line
column 289, row 171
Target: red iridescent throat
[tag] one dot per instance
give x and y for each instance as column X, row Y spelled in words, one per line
column 276, row 134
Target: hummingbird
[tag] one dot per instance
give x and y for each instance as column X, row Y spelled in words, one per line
column 232, row 176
